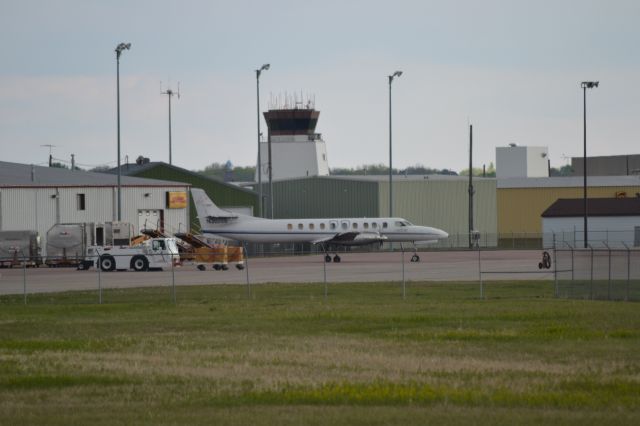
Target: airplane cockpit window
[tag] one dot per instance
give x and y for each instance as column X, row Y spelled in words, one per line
column 399, row 223
column 407, row 223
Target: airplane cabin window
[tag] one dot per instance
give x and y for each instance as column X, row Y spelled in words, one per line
column 311, row 226
column 289, row 226
column 345, row 225
column 366, row 225
column 355, row 225
column 322, row 226
column 384, row 224
column 333, row 225
column 300, row 226
column 374, row 225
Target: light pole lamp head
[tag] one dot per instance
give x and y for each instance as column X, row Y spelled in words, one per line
column 265, row 67
column 589, row 84
column 395, row 74
column 121, row 47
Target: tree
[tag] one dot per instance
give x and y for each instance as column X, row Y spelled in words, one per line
column 478, row 171
column 381, row 169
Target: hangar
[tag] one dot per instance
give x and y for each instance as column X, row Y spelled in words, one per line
column 521, row 201
column 36, row 198
column 433, row 200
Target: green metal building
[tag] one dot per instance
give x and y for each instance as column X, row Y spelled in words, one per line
column 439, row 201
column 225, row 195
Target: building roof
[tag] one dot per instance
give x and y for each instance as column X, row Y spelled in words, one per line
column 574, row 207
column 26, row 175
column 132, row 169
column 568, row 182
column 396, row 178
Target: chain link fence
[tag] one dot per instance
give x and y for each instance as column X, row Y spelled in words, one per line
column 599, row 272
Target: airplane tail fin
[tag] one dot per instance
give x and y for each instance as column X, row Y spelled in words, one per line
column 207, row 211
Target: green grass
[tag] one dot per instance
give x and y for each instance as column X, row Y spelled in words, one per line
column 287, row 355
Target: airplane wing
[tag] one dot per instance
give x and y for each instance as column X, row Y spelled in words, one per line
column 351, row 238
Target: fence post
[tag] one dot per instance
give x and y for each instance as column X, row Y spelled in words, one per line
column 626, row 296
column 555, row 266
column 480, row 275
column 404, row 285
column 591, row 288
column 609, row 282
column 324, row 269
column 24, row 276
column 246, row 263
column 173, row 279
column 99, row 280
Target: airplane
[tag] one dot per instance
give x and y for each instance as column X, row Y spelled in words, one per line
column 327, row 232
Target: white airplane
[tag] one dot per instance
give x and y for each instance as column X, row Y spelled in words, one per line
column 326, row 232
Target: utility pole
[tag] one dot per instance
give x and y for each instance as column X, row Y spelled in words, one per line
column 471, row 190
column 48, row 145
column 73, row 161
column 391, row 77
column 170, row 93
column 586, row 85
column 119, row 48
column 264, row 67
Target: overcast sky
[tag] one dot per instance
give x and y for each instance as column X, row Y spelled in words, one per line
column 511, row 68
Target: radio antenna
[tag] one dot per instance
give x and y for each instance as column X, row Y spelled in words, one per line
column 170, row 93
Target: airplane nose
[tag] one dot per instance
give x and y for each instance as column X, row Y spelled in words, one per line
column 442, row 234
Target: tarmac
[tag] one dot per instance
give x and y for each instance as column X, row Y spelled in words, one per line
column 354, row 267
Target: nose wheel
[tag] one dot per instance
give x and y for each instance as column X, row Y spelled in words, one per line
column 336, row 258
column 415, row 258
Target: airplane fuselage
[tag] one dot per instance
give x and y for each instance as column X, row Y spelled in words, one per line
column 258, row 230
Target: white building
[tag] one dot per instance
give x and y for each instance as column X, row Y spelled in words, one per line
column 36, row 198
column 613, row 222
column 296, row 149
column 522, row 161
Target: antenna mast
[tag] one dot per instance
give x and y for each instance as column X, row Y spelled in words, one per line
column 170, row 93
column 48, row 145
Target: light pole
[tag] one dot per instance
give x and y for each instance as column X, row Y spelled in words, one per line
column 391, row 77
column 119, row 49
column 585, row 85
column 265, row 67
column 169, row 94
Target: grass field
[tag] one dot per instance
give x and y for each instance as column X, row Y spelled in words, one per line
column 287, row 355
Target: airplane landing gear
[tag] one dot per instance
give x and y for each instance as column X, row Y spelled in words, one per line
column 327, row 258
column 336, row 259
column 415, row 258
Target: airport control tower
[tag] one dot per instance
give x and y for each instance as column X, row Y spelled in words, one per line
column 296, row 149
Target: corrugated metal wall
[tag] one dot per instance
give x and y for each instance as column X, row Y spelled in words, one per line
column 39, row 209
column 223, row 195
column 519, row 209
column 443, row 204
column 323, row 197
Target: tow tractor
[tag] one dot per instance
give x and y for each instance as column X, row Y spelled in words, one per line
column 154, row 253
